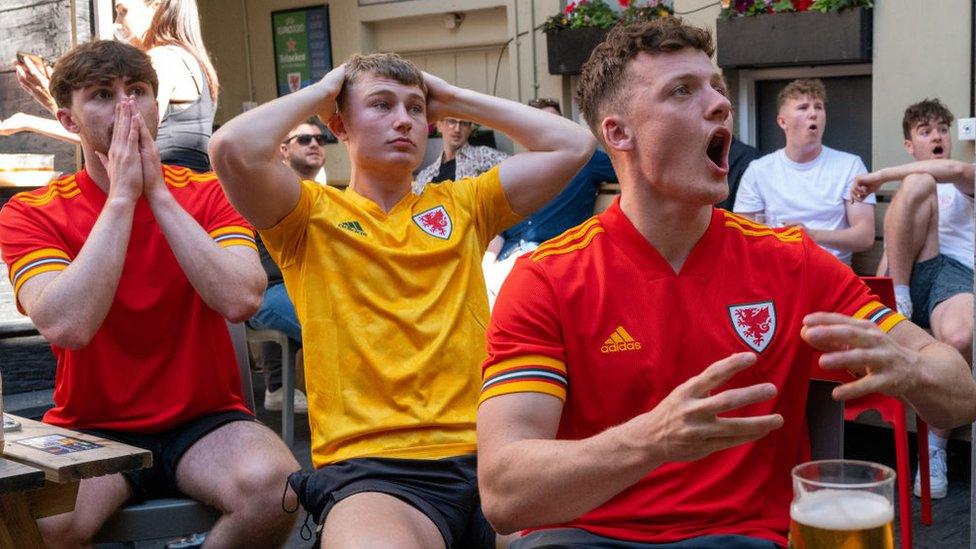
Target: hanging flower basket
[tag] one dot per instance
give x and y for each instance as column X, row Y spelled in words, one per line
column 795, row 38
column 570, row 48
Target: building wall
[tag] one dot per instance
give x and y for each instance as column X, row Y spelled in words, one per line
column 48, row 29
column 919, row 52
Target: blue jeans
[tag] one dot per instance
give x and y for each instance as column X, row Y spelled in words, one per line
column 276, row 313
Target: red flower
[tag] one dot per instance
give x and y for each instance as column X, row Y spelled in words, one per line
column 802, row 5
column 570, row 7
column 624, row 3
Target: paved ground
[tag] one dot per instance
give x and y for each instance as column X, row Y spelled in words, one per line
column 26, row 364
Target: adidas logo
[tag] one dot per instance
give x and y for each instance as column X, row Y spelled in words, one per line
column 353, row 226
column 619, row 341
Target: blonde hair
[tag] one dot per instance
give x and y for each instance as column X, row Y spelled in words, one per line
column 177, row 23
column 387, row 65
column 802, row 87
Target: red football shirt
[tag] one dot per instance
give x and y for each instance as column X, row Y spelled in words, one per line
column 598, row 318
column 162, row 356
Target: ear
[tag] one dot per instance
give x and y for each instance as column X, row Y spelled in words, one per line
column 616, row 134
column 67, row 120
column 781, row 122
column 909, row 147
column 283, row 149
column 338, row 127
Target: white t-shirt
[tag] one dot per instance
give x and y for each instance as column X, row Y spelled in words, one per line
column 814, row 193
column 956, row 226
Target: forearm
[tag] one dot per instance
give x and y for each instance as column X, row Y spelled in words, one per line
column 532, row 128
column 48, row 127
column 255, row 136
column 943, row 170
column 232, row 287
column 851, row 239
column 943, row 394
column 531, row 483
column 71, row 308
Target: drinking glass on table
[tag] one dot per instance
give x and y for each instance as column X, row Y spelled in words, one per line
column 842, row 503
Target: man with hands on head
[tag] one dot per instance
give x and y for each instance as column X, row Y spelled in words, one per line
column 647, row 374
column 130, row 268
column 388, row 289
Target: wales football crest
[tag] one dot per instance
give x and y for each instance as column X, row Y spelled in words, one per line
column 435, row 222
column 755, row 323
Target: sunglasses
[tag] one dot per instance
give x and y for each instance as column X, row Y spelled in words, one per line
column 451, row 122
column 304, row 139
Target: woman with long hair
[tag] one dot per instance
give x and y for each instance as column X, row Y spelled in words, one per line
column 169, row 31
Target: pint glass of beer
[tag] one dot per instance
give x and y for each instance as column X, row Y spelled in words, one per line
column 842, row 504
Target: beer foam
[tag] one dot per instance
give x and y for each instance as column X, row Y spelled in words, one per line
column 842, row 510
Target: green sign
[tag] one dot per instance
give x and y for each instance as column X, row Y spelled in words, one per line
column 303, row 52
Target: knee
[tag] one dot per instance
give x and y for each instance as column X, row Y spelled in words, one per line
column 64, row 532
column 959, row 336
column 917, row 187
column 261, row 487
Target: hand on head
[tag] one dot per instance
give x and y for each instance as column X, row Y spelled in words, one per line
column 686, row 425
column 859, row 346
column 440, row 95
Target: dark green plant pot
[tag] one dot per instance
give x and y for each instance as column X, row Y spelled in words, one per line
column 569, row 48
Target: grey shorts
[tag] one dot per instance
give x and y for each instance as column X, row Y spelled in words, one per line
column 934, row 281
column 578, row 538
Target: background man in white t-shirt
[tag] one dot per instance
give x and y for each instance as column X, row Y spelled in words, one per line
column 929, row 234
column 806, row 183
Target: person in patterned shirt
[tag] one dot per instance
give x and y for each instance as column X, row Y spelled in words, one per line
column 459, row 158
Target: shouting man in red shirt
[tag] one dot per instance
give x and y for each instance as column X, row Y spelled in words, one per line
column 647, row 371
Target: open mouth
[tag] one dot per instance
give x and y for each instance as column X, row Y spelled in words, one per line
column 937, row 150
column 718, row 148
column 812, row 127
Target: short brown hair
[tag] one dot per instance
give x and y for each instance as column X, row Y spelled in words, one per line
column 600, row 86
column 922, row 112
column 801, row 87
column 545, row 103
column 98, row 62
column 386, row 65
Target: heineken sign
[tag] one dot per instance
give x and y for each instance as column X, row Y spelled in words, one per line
column 303, row 51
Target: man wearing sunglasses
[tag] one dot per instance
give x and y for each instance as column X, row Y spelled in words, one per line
column 304, row 151
column 459, row 159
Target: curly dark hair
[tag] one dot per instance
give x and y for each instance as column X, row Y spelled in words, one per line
column 922, row 112
column 602, row 79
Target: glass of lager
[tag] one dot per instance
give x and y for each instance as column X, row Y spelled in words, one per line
column 842, row 504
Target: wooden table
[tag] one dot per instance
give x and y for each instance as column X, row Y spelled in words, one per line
column 48, row 463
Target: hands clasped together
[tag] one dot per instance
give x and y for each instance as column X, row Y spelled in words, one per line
column 132, row 163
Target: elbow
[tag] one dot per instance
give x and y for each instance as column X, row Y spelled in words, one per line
column 243, row 308
column 500, row 514
column 865, row 243
column 65, row 336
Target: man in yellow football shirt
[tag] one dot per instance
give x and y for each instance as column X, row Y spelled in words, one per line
column 389, row 291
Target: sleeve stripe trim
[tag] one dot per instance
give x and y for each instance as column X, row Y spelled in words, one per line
column 541, row 376
column 231, row 229
column 525, row 360
column 237, row 241
column 26, row 272
column 524, row 387
column 27, row 275
column 36, row 254
column 876, row 312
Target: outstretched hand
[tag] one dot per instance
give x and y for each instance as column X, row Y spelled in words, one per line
column 865, row 184
column 35, row 79
column 686, row 425
column 859, row 346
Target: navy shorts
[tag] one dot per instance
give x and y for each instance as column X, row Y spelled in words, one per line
column 445, row 490
column 578, row 538
column 934, row 281
column 167, row 447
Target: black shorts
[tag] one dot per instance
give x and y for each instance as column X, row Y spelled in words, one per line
column 578, row 538
column 934, row 281
column 446, row 490
column 167, row 447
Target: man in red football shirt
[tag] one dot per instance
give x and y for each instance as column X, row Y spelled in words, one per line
column 648, row 370
column 129, row 269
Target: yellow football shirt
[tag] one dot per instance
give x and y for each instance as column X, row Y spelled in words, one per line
column 393, row 311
